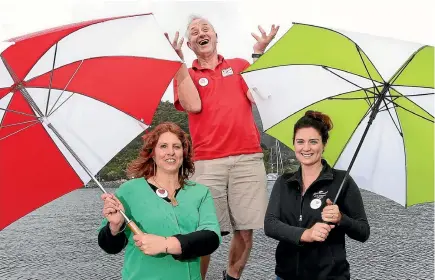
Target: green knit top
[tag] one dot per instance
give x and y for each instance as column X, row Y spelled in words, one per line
column 154, row 215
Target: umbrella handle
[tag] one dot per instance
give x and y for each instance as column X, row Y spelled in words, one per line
column 132, row 225
column 263, row 95
column 134, row 228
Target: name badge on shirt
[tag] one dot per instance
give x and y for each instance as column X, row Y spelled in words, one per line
column 227, row 72
column 315, row 203
column 203, row 82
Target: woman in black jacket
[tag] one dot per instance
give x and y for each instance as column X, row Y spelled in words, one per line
column 300, row 215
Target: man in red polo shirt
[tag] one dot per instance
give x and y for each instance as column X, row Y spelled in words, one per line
column 226, row 142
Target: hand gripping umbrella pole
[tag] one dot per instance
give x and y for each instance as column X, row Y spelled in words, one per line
column 131, row 224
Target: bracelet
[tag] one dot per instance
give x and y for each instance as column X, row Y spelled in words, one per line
column 256, row 55
column 125, row 225
column 166, row 250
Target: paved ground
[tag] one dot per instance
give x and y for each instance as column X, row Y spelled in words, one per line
column 58, row 241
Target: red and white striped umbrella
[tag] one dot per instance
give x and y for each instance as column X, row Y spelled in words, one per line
column 70, row 99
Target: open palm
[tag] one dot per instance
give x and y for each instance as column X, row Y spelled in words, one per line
column 264, row 40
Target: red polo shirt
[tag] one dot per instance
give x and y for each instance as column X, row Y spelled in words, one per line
column 225, row 126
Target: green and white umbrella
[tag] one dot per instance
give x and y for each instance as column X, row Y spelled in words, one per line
column 379, row 93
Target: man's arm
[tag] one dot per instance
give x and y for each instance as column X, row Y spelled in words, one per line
column 186, row 96
column 185, row 91
column 260, row 47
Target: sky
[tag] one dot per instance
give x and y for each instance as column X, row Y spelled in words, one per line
column 233, row 20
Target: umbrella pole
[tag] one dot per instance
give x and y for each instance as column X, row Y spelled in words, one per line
column 131, row 224
column 373, row 114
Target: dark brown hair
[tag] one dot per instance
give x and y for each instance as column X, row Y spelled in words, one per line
column 317, row 120
column 143, row 165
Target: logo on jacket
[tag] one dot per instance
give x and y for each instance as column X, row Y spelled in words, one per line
column 227, row 72
column 319, row 194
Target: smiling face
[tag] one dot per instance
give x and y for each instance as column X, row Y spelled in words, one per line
column 308, row 146
column 202, row 37
column 168, row 153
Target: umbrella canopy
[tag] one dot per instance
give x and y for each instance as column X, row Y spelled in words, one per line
column 70, row 99
column 360, row 81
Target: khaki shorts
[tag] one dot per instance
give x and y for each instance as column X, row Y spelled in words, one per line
column 238, row 185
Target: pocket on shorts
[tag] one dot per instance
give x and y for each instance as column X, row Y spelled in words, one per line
column 255, row 157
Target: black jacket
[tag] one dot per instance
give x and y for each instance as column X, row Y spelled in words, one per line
column 289, row 214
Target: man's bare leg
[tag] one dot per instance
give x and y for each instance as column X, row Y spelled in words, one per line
column 240, row 249
column 205, row 261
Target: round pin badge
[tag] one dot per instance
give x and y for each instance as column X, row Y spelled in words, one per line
column 203, row 82
column 315, row 203
column 162, row 193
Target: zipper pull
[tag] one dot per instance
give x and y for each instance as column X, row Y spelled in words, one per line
column 300, row 218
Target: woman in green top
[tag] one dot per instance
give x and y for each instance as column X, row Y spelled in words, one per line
column 177, row 216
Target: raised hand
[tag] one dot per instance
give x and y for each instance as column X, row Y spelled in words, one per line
column 177, row 44
column 263, row 41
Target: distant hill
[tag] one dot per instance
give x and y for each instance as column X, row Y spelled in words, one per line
column 115, row 169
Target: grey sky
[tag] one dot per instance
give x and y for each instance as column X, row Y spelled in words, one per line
column 233, row 20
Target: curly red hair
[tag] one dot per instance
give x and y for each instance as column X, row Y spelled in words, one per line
column 143, row 165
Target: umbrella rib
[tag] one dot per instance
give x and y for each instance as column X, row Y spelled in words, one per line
column 60, row 95
column 365, row 66
column 406, row 97
column 24, row 128
column 51, row 113
column 383, row 108
column 412, row 86
column 57, row 100
column 403, row 142
column 409, row 111
column 367, row 98
column 326, row 98
column 365, row 90
column 343, row 78
column 8, row 67
column 14, row 124
column 391, row 116
column 141, row 121
column 409, row 95
column 51, row 79
column 353, row 98
column 18, row 112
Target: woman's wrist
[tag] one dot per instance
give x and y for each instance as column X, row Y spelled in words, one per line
column 305, row 236
column 172, row 246
column 114, row 229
